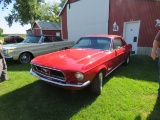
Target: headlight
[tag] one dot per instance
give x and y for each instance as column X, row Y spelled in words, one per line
column 5, row 52
column 79, row 76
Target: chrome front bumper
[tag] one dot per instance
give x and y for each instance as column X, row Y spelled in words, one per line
column 8, row 57
column 79, row 85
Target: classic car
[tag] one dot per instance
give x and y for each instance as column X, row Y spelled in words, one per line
column 33, row 46
column 13, row 39
column 92, row 58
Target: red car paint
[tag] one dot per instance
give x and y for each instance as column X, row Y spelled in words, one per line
column 13, row 39
column 87, row 61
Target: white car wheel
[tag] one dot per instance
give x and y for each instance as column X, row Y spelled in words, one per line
column 25, row 58
column 96, row 85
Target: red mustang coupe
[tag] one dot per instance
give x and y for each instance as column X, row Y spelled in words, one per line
column 92, row 58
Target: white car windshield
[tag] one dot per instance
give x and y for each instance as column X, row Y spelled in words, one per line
column 94, row 43
column 31, row 39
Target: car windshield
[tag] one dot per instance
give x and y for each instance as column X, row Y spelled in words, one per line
column 31, row 39
column 94, row 43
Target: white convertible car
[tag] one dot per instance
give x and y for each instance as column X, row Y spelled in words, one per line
column 33, row 46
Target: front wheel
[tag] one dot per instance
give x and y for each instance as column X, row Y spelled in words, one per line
column 25, row 58
column 96, row 85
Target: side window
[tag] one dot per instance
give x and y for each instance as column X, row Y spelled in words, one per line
column 51, row 38
column 54, row 39
column 117, row 43
column 46, row 39
column 57, row 39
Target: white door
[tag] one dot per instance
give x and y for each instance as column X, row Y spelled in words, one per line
column 58, row 34
column 131, row 33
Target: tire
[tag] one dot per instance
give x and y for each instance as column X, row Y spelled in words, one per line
column 127, row 60
column 96, row 85
column 25, row 58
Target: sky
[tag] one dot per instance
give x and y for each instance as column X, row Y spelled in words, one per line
column 16, row 28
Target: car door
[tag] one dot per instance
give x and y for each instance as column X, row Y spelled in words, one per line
column 49, row 44
column 44, row 45
column 118, row 47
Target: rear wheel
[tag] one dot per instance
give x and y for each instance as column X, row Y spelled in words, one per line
column 96, row 85
column 25, row 58
column 126, row 62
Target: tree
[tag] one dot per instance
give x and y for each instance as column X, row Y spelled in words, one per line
column 29, row 11
column 5, row 2
column 50, row 12
column 25, row 12
column 1, row 31
column 62, row 3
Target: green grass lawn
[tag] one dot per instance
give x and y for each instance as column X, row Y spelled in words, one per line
column 129, row 93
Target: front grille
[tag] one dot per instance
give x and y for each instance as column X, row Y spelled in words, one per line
column 49, row 73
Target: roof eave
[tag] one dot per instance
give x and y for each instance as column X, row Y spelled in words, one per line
column 63, row 7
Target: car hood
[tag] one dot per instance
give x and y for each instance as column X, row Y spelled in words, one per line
column 70, row 59
column 18, row 45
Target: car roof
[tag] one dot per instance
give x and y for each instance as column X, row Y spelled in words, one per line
column 43, row 35
column 12, row 35
column 103, row 35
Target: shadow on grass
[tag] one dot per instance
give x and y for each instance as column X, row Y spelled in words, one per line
column 155, row 114
column 140, row 68
column 51, row 103
column 16, row 66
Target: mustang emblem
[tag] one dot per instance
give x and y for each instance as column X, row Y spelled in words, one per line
column 45, row 70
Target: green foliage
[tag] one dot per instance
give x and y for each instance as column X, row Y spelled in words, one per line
column 5, row 3
column 62, row 3
column 50, row 12
column 129, row 93
column 27, row 12
column 2, row 36
column 1, row 31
